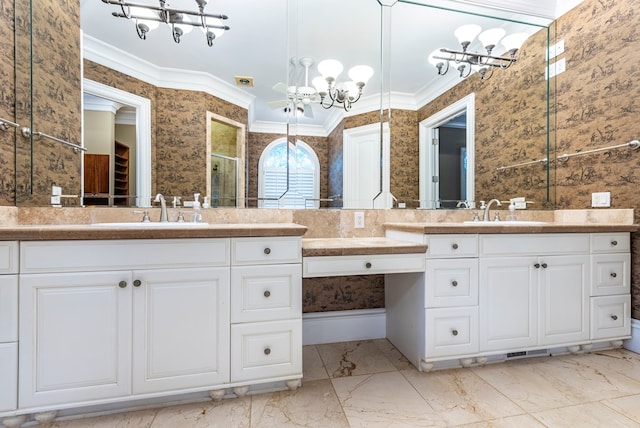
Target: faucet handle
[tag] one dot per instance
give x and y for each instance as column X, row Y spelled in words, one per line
column 476, row 216
column 145, row 217
column 180, row 217
column 497, row 217
column 482, row 205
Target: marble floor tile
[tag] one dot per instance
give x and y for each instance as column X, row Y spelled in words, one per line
column 312, row 366
column 396, row 358
column 520, row 421
column 628, row 406
column 137, row 419
column 584, row 415
column 313, row 405
column 354, row 358
column 383, row 400
column 233, row 412
column 459, row 396
column 552, row 382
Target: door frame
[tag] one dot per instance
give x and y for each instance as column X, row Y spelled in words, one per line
column 428, row 158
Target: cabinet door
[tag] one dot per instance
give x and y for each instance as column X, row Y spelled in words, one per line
column 75, row 337
column 9, row 376
column 181, row 329
column 508, row 303
column 564, row 299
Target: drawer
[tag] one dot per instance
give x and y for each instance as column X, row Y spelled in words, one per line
column 610, row 316
column 451, row 283
column 8, row 257
column 78, row 256
column 451, row 331
column 266, row 350
column 449, row 246
column 610, row 242
column 8, row 308
column 9, row 376
column 534, row 244
column 266, row 250
column 261, row 293
column 610, row 274
column 324, row 266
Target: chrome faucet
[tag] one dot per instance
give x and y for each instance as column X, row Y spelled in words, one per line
column 486, row 216
column 163, row 208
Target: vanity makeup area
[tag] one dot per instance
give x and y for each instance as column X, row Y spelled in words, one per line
column 100, row 312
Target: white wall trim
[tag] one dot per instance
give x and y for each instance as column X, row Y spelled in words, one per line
column 343, row 326
column 633, row 344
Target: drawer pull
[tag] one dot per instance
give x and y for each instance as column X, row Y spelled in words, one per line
column 544, row 265
column 122, row 284
column 454, row 246
column 267, row 293
column 267, row 251
column 613, row 274
column 368, row 265
column 454, row 332
column 454, row 283
column 614, row 243
column 537, row 266
column 137, row 283
column 267, row 351
column 614, row 317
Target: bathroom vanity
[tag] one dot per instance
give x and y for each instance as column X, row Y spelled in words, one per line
column 487, row 295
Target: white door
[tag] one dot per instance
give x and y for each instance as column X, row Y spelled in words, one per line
column 564, row 299
column 75, row 337
column 508, row 303
column 366, row 168
column 180, row 329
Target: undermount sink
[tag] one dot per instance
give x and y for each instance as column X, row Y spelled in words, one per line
column 152, row 225
column 507, row 223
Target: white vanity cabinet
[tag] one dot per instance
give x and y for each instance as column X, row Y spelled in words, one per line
column 266, row 310
column 8, row 326
column 105, row 319
column 533, row 292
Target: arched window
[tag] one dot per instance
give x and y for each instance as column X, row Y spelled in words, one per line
column 304, row 176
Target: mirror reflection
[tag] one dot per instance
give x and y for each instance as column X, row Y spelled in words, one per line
column 188, row 82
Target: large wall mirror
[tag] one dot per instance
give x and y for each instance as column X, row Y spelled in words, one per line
column 199, row 101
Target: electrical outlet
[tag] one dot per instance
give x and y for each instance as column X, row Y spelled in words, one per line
column 56, row 191
column 358, row 220
column 601, row 199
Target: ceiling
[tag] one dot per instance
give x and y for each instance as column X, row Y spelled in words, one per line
column 266, row 35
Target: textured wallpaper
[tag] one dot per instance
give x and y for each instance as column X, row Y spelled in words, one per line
column 7, row 103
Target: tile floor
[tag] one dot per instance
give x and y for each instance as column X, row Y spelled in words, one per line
column 370, row 384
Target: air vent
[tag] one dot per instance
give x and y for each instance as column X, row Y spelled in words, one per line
column 244, row 81
column 526, row 354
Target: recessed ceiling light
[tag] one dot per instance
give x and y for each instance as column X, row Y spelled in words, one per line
column 244, row 81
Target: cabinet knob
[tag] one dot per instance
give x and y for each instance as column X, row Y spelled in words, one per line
column 137, row 283
column 454, row 283
column 267, row 293
column 544, row 265
column 454, row 332
column 454, row 246
column 614, row 243
column 122, row 284
column 267, row 351
column 267, row 251
column 368, row 265
column 537, row 266
column 613, row 274
column 614, row 317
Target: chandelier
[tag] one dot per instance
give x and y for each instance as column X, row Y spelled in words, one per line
column 345, row 93
column 148, row 17
column 467, row 62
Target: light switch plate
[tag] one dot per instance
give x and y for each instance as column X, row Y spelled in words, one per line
column 601, row 199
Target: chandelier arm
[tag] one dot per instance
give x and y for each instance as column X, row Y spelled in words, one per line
column 466, row 55
column 162, row 9
column 192, row 24
column 127, row 13
column 142, row 34
column 489, row 72
column 322, row 98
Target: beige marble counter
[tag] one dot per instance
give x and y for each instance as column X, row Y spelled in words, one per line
column 441, row 228
column 358, row 246
column 88, row 231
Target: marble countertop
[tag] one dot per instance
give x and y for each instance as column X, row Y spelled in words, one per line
column 88, row 231
column 504, row 227
column 313, row 247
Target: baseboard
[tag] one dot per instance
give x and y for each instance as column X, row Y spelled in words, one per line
column 343, row 326
column 633, row 344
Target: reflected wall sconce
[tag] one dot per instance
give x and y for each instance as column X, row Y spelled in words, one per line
column 149, row 17
column 344, row 93
column 467, row 62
